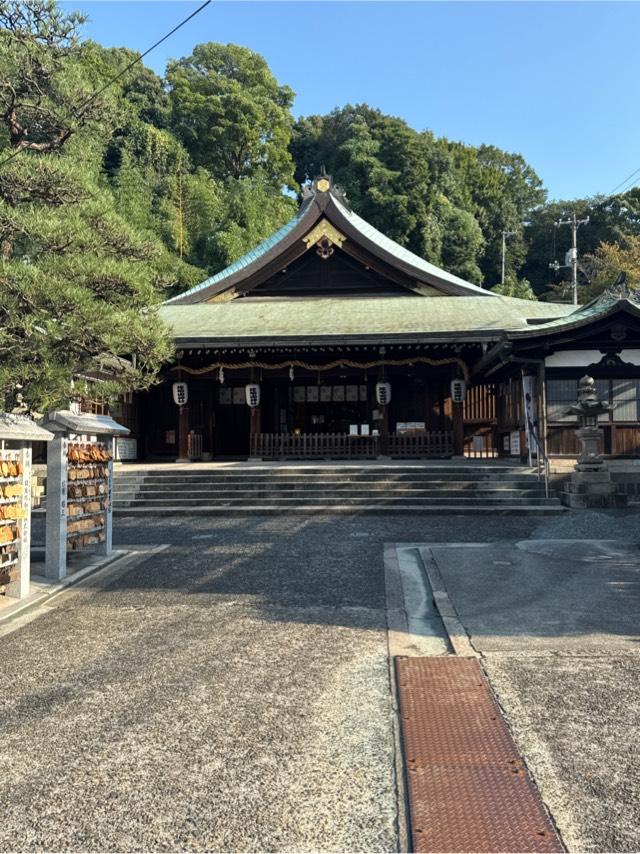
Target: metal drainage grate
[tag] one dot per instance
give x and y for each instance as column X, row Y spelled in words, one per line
column 468, row 787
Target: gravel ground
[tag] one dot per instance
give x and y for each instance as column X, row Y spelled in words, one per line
column 230, row 693
column 577, row 721
column 557, row 625
column 591, row 524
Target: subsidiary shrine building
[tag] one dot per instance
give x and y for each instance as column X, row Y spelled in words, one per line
column 329, row 340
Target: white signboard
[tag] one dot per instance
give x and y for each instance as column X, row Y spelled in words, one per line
column 126, row 448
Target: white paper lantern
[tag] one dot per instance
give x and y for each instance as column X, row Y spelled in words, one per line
column 458, row 391
column 180, row 394
column 252, row 394
column 383, row 393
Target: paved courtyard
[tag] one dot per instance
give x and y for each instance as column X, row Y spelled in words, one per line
column 558, row 625
column 232, row 692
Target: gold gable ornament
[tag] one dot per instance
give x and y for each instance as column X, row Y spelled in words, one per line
column 324, row 237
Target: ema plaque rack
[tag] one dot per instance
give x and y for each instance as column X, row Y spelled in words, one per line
column 17, row 433
column 79, row 486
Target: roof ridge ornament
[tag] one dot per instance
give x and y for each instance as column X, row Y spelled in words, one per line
column 620, row 289
column 324, row 183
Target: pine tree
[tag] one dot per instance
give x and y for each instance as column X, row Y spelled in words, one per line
column 77, row 282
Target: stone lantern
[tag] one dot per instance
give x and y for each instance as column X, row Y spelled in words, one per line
column 590, row 484
column 587, row 409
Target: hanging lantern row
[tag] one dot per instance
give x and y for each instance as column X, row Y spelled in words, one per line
column 252, row 392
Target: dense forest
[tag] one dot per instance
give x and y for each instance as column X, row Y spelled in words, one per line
column 113, row 197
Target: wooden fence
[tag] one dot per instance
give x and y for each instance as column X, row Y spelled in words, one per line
column 308, row 446
column 433, row 444
column 483, row 444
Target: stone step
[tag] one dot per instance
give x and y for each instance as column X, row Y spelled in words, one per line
column 275, row 471
column 348, row 510
column 433, row 488
column 312, row 483
column 325, row 480
column 354, row 500
column 309, row 492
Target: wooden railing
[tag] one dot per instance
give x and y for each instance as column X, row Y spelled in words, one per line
column 307, row 446
column 421, row 445
column 483, row 444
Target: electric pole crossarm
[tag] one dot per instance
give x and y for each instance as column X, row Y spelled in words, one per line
column 575, row 224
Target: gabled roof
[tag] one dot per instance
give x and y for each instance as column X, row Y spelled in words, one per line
column 332, row 320
column 22, row 429
column 325, row 205
column 595, row 318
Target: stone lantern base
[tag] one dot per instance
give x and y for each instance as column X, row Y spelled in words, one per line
column 592, row 489
column 591, row 484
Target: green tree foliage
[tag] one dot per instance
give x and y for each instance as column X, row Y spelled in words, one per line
column 514, row 287
column 231, row 114
column 193, row 196
column 445, row 201
column 77, row 280
column 45, row 78
column 604, row 266
column 250, row 212
column 109, row 206
column 611, row 221
column 113, row 203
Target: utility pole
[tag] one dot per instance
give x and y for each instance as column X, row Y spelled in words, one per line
column 571, row 258
column 505, row 234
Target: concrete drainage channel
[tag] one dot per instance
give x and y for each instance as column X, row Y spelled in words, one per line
column 467, row 787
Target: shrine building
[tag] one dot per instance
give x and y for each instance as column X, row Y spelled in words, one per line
column 329, row 340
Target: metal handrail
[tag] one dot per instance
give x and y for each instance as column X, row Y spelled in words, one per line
column 541, row 456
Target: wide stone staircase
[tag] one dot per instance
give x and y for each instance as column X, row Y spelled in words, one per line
column 349, row 489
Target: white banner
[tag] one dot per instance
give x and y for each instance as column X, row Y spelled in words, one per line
column 529, row 410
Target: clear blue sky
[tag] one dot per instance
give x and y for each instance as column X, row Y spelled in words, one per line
column 556, row 82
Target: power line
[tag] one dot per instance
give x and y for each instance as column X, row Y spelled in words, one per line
column 85, row 104
column 624, row 181
column 82, row 108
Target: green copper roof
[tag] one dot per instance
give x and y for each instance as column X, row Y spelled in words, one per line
column 253, row 320
column 403, row 254
column 599, row 307
column 330, row 205
column 248, row 258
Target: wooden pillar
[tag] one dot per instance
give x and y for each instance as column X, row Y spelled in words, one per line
column 255, row 420
column 384, row 430
column 183, row 434
column 457, row 417
column 255, row 415
column 456, row 413
column 183, row 425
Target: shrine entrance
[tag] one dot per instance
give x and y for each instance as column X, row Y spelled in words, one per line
column 307, row 415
